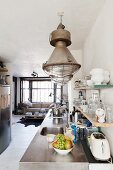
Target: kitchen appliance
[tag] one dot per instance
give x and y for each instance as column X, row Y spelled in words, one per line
column 5, row 118
column 99, row 146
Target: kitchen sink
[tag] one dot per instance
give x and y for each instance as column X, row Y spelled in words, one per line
column 50, row 130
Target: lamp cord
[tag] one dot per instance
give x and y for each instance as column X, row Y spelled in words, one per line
column 61, row 14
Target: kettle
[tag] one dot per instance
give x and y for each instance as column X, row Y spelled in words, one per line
column 99, row 146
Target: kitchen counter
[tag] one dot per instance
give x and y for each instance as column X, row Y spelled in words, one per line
column 39, row 156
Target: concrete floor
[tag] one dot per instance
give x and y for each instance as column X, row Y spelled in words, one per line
column 21, row 138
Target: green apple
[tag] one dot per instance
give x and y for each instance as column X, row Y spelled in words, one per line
column 68, row 144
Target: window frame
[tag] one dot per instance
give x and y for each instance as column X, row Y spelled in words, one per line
column 31, row 88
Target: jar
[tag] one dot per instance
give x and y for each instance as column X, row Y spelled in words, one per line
column 93, row 103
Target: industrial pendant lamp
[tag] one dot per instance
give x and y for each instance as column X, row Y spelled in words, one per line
column 61, row 65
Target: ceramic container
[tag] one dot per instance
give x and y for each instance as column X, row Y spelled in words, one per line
column 63, row 152
column 97, row 79
column 96, row 71
column 100, row 76
column 106, row 77
column 100, row 115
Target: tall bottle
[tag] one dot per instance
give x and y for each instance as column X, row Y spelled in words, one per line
column 109, row 115
column 73, row 114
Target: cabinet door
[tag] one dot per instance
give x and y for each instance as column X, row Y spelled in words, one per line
column 104, row 166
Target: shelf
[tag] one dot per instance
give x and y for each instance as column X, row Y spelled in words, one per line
column 3, row 69
column 103, row 86
column 94, row 87
column 92, row 119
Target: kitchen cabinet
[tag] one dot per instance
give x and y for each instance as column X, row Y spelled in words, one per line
column 92, row 117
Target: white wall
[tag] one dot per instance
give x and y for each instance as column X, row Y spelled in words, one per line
column 71, row 92
column 98, row 52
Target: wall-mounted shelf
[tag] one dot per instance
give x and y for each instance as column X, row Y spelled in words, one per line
column 3, row 69
column 92, row 119
column 94, row 87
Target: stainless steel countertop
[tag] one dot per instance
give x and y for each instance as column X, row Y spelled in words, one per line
column 39, row 156
column 39, row 152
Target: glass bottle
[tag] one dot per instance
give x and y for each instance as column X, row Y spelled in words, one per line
column 102, row 105
column 93, row 103
column 109, row 115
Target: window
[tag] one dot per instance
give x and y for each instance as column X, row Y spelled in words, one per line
column 25, row 90
column 58, row 93
column 40, row 91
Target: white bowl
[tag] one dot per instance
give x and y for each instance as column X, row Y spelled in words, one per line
column 50, row 137
column 63, row 152
column 97, row 79
column 97, row 71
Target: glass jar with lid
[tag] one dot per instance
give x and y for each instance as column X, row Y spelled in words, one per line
column 93, row 103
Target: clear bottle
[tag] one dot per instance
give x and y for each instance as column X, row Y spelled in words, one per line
column 93, row 104
column 73, row 114
column 76, row 117
column 101, row 105
column 109, row 115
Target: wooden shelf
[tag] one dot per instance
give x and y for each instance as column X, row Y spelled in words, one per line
column 92, row 119
column 3, row 69
column 95, row 87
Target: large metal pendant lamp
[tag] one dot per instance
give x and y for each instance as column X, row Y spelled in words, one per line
column 61, row 65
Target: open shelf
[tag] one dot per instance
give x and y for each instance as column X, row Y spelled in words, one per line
column 3, row 69
column 92, row 119
column 94, row 87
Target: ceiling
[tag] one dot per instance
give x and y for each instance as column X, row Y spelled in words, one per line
column 25, row 26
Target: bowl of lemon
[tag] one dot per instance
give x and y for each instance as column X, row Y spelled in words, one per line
column 62, row 144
